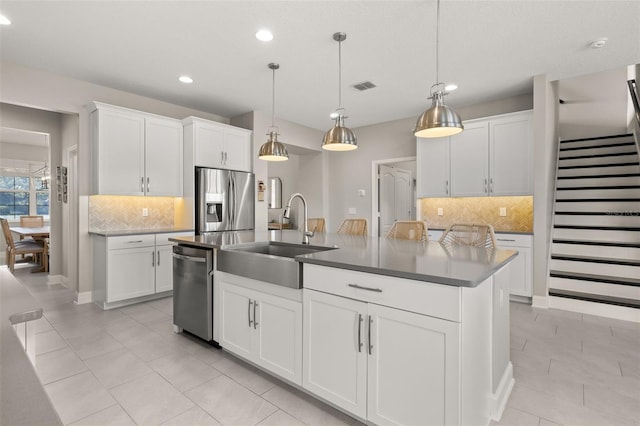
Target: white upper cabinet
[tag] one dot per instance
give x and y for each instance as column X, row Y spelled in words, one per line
column 510, row 154
column 217, row 145
column 135, row 153
column 469, row 160
column 433, row 167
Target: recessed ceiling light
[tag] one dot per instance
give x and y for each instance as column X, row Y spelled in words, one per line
column 4, row 20
column 599, row 43
column 450, row 87
column 334, row 115
column 185, row 79
column 264, row 35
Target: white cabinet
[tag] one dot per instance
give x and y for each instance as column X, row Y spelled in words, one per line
column 217, row 145
column 521, row 269
column 511, row 154
column 470, row 160
column 432, row 174
column 263, row 328
column 127, row 268
column 135, row 153
column 386, row 365
column 434, row 234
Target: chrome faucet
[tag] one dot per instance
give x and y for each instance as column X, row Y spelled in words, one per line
column 287, row 212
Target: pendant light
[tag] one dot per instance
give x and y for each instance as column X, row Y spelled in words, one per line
column 272, row 150
column 339, row 138
column 439, row 120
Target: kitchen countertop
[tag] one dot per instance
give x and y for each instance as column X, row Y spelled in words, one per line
column 417, row 260
column 124, row 232
column 496, row 231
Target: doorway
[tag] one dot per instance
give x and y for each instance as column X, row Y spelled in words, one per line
column 394, row 193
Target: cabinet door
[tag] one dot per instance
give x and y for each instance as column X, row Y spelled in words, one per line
column 511, row 155
column 432, row 167
column 119, row 152
column 208, row 145
column 279, row 336
column 237, row 150
column 164, row 268
column 413, row 371
column 130, row 273
column 520, row 272
column 470, row 161
column 334, row 351
column 236, row 319
column 163, row 157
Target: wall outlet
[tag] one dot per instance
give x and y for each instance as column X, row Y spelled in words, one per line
column 503, row 211
column 352, row 210
column 440, row 211
column 145, row 212
column 361, row 192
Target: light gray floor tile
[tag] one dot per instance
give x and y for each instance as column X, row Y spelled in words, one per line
column 163, row 305
column 515, row 417
column 112, row 416
column 78, row 396
column 42, row 325
column 49, row 341
column 128, row 332
column 184, row 372
column 556, row 387
column 209, row 354
column 280, row 418
column 248, row 376
column 152, row 346
column 545, row 422
column 231, row 403
column 195, row 416
column 150, row 315
column 612, row 401
column 87, row 346
column 118, row 367
column 57, row 365
column 151, row 400
column 305, row 408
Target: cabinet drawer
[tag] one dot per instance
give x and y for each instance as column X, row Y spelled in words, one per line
column 514, row 240
column 163, row 239
column 437, row 300
column 131, row 241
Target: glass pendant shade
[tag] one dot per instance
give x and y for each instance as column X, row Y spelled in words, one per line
column 339, row 138
column 439, row 120
column 272, row 150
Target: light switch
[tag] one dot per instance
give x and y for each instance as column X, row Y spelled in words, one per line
column 440, row 211
column 145, row 212
column 361, row 192
column 352, row 210
column 503, row 211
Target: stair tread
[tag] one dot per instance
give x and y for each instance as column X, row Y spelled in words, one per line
column 601, row 213
column 595, row 200
column 607, row 154
column 601, row 228
column 598, row 138
column 612, row 145
column 610, row 300
column 583, row 188
column 596, row 243
column 593, row 277
column 595, row 259
column 619, row 175
column 594, row 166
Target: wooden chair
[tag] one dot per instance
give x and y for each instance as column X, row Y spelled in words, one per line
column 353, row 227
column 20, row 247
column 463, row 234
column 408, row 230
column 316, row 224
column 31, row 221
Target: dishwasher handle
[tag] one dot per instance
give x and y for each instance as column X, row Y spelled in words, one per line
column 190, row 258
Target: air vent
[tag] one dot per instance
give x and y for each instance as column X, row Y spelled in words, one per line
column 365, row 85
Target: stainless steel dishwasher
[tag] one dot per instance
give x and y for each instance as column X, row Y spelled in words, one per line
column 193, row 291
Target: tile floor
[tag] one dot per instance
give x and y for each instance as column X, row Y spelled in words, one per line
column 126, row 366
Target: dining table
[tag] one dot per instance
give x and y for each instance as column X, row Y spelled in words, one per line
column 40, row 233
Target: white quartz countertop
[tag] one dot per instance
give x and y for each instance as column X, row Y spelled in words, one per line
column 124, row 232
column 416, row 260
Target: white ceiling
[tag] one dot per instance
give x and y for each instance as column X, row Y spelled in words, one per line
column 490, row 48
column 24, row 137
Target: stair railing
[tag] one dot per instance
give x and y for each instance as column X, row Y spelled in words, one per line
column 633, row 92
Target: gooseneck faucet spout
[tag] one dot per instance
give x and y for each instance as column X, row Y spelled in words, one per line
column 287, row 212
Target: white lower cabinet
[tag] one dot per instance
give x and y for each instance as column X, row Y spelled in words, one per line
column 521, row 268
column 382, row 364
column 130, row 272
column 263, row 328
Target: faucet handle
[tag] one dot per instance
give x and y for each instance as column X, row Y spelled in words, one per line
column 309, row 233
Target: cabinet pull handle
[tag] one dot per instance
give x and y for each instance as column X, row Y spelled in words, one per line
column 446, row 182
column 142, row 184
column 359, row 332
column 134, row 242
column 148, row 190
column 249, row 313
column 255, row 320
column 359, row 287
column 225, row 157
column 370, row 344
column 505, row 239
column 486, row 186
column 153, row 258
column 221, row 157
column 158, row 257
column 491, row 185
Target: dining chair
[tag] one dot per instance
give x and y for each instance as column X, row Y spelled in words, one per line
column 463, row 234
column 19, row 247
column 31, row 221
column 315, row 224
column 353, row 227
column 408, row 230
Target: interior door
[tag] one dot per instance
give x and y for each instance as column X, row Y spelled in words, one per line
column 396, row 196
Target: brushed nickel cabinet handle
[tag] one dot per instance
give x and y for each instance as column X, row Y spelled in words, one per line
column 370, row 344
column 142, row 184
column 359, row 287
column 255, row 320
column 249, row 313
column 359, row 332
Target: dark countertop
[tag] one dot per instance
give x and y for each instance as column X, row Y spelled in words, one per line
column 123, row 232
column 416, row 260
column 23, row 400
column 496, row 231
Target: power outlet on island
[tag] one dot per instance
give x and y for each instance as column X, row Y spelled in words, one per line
column 145, row 212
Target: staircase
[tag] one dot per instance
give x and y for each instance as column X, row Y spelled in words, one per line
column 595, row 254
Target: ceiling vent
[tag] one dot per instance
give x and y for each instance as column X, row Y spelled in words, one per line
column 365, row 85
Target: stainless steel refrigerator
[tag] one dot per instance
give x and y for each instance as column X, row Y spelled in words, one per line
column 224, row 200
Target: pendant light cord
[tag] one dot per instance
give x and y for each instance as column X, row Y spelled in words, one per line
column 339, row 74
column 437, row 39
column 273, row 98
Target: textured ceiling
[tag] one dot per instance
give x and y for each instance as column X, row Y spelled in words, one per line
column 491, row 49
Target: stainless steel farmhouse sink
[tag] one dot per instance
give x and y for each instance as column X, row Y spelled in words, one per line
column 272, row 261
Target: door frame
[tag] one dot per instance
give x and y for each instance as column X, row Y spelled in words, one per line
column 375, row 231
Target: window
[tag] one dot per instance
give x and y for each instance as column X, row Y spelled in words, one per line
column 22, row 195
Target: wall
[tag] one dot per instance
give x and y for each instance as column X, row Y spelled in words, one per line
column 113, row 213
column 350, row 171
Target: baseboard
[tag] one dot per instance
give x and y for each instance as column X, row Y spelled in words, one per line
column 501, row 395
column 540, row 302
column 55, row 279
column 593, row 308
column 83, row 297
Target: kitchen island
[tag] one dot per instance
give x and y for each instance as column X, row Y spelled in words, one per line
column 389, row 331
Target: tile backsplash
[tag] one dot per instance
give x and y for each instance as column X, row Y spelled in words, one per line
column 519, row 212
column 114, row 213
